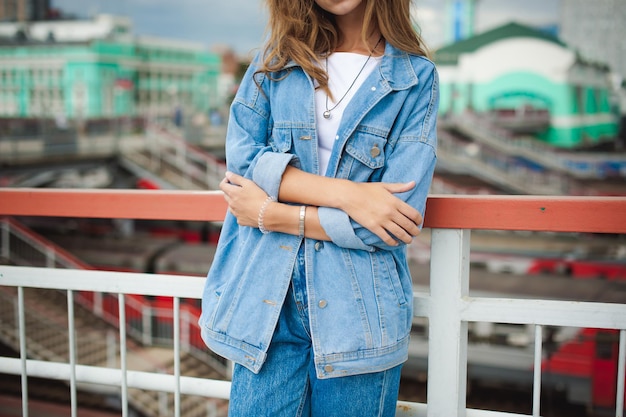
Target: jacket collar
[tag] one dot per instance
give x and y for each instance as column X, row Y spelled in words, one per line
column 395, row 68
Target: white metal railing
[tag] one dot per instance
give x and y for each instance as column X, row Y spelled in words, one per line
column 579, row 165
column 497, row 167
column 179, row 163
column 160, row 145
column 448, row 309
column 152, row 326
column 124, row 378
column 18, row 243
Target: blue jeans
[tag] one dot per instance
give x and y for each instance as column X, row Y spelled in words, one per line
column 287, row 386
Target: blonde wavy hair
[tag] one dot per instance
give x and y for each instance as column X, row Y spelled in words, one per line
column 301, row 31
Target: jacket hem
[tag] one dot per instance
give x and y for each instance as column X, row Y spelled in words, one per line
column 361, row 362
column 234, row 350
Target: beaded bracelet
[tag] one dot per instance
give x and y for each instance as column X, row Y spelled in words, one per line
column 267, row 201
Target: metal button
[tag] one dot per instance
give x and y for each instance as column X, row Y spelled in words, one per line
column 328, row 368
column 375, row 151
column 322, row 303
column 319, row 246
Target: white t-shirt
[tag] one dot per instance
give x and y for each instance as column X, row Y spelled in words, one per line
column 343, row 67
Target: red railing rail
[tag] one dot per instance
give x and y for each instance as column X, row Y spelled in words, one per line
column 533, row 213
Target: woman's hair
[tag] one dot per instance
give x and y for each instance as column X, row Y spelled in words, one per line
column 301, row 31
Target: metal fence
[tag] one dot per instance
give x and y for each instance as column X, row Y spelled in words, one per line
column 448, row 307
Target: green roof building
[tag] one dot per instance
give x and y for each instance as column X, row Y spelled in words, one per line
column 517, row 72
column 105, row 74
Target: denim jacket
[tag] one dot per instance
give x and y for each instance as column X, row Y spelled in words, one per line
column 359, row 289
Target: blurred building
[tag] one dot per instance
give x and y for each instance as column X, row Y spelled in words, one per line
column 597, row 29
column 24, row 10
column 530, row 81
column 83, row 69
column 461, row 19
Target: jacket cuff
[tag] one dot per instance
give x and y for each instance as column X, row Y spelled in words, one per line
column 269, row 170
column 338, row 226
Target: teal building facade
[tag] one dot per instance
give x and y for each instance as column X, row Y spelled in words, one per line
column 516, row 69
column 104, row 78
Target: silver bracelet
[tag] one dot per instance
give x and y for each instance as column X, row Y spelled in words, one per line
column 301, row 222
column 266, row 203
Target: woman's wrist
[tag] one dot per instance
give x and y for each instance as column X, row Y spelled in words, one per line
column 261, row 215
column 285, row 218
column 339, row 194
column 280, row 217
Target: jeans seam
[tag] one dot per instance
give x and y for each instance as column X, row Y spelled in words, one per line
column 303, row 398
column 383, row 395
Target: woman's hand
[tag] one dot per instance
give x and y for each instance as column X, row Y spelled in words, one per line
column 244, row 198
column 373, row 206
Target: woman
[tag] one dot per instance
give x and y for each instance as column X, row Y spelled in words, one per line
column 330, row 151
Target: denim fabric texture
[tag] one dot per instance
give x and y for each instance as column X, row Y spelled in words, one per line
column 359, row 289
column 286, row 385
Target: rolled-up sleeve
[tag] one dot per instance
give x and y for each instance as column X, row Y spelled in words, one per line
column 338, row 226
column 269, row 170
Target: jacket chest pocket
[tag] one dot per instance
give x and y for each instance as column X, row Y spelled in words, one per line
column 367, row 149
column 280, row 140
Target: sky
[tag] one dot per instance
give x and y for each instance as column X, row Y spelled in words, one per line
column 240, row 24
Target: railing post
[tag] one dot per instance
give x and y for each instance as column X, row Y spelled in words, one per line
column 5, row 242
column 154, row 146
column 447, row 351
column 146, row 318
column 621, row 374
column 211, row 409
column 163, row 404
column 185, row 330
column 50, row 258
column 21, row 317
column 97, row 306
column 111, row 347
